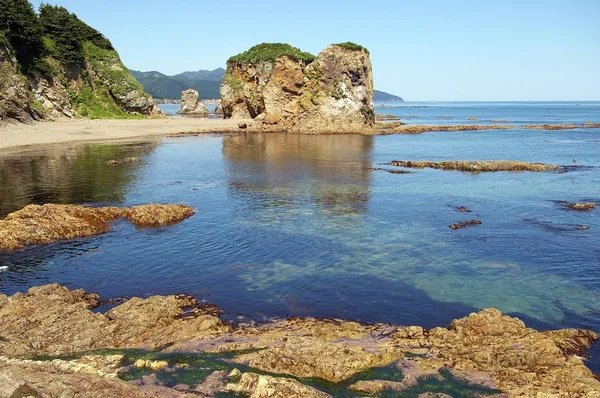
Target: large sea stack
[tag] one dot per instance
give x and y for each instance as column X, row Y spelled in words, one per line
column 280, row 85
column 53, row 65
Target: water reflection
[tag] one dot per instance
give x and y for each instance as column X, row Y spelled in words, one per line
column 333, row 172
column 67, row 174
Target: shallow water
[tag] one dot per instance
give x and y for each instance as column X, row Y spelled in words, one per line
column 302, row 225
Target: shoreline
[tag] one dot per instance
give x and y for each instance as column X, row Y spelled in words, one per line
column 86, row 130
column 22, row 136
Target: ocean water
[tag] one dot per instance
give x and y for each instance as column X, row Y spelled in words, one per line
column 303, row 225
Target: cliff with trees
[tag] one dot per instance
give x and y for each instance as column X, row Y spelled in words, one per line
column 53, row 65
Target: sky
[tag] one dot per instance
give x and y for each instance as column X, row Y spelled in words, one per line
column 422, row 50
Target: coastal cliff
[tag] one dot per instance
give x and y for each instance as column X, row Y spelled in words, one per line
column 53, row 65
column 278, row 84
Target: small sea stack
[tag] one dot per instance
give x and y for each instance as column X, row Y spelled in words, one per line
column 191, row 105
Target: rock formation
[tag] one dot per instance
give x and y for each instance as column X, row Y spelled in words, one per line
column 192, row 351
column 280, row 85
column 191, row 105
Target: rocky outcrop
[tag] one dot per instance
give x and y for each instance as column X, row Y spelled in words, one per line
column 195, row 352
column 191, row 105
column 17, row 102
column 34, row 224
column 332, row 92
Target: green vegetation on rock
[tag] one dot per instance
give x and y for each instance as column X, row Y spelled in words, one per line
column 352, row 47
column 270, row 52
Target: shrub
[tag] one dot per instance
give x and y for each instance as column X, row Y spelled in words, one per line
column 270, row 52
column 352, row 47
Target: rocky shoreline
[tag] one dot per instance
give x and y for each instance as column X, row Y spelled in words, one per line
column 52, row 344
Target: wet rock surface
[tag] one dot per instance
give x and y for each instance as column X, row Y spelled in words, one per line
column 483, row 354
column 475, row 165
column 35, row 224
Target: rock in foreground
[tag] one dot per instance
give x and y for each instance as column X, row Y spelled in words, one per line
column 34, row 224
column 194, row 352
column 475, row 166
column 191, row 105
column 296, row 91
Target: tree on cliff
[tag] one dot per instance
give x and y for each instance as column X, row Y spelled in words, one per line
column 65, row 35
column 21, row 27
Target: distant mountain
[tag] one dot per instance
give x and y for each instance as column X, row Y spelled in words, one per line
column 206, row 82
column 208, row 75
column 380, row 96
column 162, row 86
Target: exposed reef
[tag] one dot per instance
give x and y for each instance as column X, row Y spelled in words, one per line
column 191, row 105
column 475, row 165
column 582, row 206
column 34, row 224
column 50, row 334
column 282, row 86
column 419, row 129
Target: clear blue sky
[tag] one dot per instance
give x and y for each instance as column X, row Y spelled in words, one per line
column 421, row 49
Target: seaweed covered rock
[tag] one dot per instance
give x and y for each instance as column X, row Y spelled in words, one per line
column 194, row 351
column 281, row 85
column 191, row 105
column 48, row 223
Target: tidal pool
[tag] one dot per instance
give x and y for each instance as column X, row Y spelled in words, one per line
column 303, row 225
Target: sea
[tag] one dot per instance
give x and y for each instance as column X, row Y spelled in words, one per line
column 306, row 225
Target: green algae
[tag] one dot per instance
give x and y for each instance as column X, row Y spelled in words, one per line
column 191, row 369
column 444, row 383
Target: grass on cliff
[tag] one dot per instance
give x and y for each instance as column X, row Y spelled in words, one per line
column 98, row 104
column 110, row 68
column 352, row 47
column 270, row 52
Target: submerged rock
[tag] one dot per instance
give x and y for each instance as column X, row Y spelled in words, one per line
column 191, row 105
column 464, row 224
column 34, row 224
column 119, row 162
column 281, row 85
column 475, row 165
column 491, row 351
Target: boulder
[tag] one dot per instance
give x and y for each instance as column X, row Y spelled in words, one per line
column 191, row 105
column 283, row 86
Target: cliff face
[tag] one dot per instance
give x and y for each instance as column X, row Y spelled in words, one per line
column 64, row 69
column 330, row 92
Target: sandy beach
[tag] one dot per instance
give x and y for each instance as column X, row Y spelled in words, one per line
column 19, row 135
